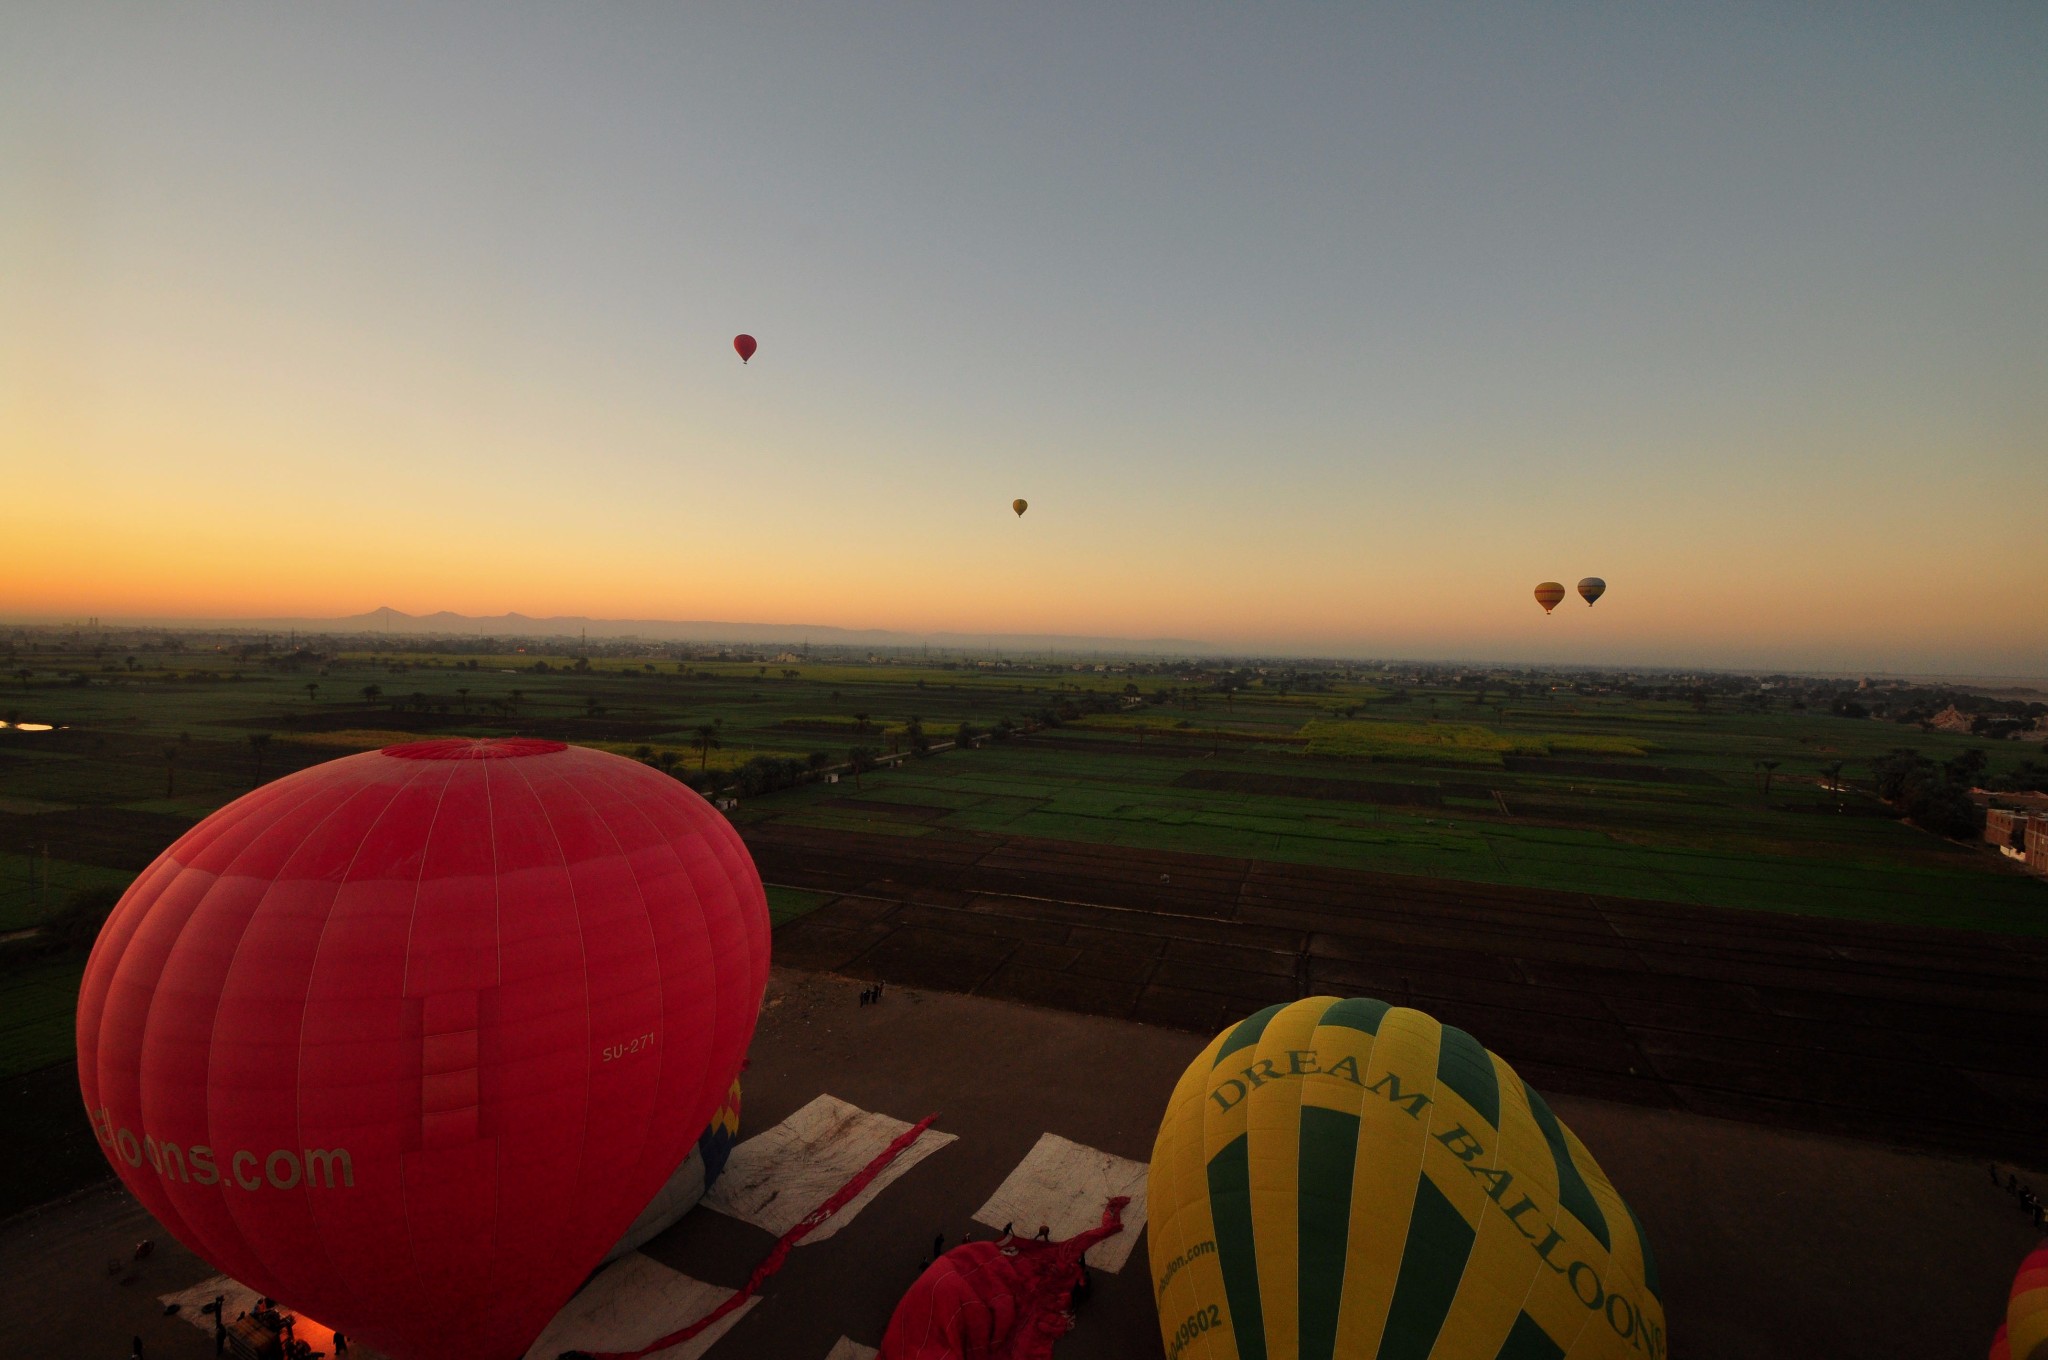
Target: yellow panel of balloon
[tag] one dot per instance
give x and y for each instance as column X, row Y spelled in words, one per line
column 1340, row 1179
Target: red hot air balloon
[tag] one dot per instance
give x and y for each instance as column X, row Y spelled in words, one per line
column 408, row 1039
column 745, row 346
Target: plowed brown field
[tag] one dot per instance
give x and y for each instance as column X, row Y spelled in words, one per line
column 1917, row 1036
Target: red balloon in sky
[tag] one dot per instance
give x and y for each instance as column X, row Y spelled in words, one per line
column 406, row 1040
column 745, row 345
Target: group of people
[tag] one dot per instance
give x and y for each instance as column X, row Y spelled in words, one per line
column 269, row 1316
column 2030, row 1204
column 870, row 996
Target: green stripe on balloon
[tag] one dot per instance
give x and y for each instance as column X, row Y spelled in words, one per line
column 1247, row 1033
column 1464, row 1065
column 1230, row 1206
column 1432, row 1264
column 1572, row 1192
column 1362, row 1013
column 1528, row 1341
column 1649, row 1260
column 1329, row 1151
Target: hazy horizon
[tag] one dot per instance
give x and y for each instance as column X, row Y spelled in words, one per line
column 830, row 636
column 1303, row 331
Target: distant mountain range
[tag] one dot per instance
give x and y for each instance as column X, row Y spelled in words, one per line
column 675, row 630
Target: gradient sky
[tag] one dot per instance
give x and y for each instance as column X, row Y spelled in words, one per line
column 1319, row 327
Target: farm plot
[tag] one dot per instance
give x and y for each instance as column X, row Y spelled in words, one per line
column 1824, row 1025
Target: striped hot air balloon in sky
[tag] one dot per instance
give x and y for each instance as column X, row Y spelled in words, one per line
column 1549, row 595
column 1350, row 1179
column 1591, row 588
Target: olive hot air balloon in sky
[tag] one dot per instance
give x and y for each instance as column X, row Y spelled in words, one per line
column 407, row 1040
column 1020, row 506
column 1549, row 594
column 1343, row 1179
column 1591, row 588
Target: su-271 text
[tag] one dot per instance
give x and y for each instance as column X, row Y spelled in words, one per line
column 627, row 1048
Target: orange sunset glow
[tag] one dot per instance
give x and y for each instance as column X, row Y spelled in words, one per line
column 247, row 376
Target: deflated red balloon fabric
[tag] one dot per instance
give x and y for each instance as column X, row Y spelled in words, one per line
column 995, row 1301
column 406, row 1040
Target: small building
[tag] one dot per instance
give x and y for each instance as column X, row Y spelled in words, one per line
column 2037, row 844
column 1950, row 719
column 2006, row 828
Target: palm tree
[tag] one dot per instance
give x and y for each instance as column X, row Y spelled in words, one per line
column 372, row 693
column 259, row 742
column 1768, row 767
column 859, row 759
column 1834, row 781
column 463, row 695
column 707, row 741
column 313, row 691
column 170, row 769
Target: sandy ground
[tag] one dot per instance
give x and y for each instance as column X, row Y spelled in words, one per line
column 1770, row 1243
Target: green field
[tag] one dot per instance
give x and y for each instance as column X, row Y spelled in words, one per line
column 1538, row 784
column 37, row 1006
column 1714, row 845
column 1533, row 783
column 787, row 904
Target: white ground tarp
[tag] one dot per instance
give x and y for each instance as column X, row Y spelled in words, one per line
column 238, row 1299
column 1065, row 1186
column 633, row 1301
column 845, row 1348
column 776, row 1177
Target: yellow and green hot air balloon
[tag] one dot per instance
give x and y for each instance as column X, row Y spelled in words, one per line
column 1349, row 1180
